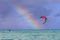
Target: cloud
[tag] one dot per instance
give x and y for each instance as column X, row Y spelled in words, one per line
column 14, row 22
column 50, row 8
column 57, row 15
column 10, row 19
column 37, row 8
column 52, row 23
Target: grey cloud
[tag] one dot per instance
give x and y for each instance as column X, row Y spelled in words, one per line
column 14, row 22
column 57, row 15
column 52, row 23
column 35, row 7
column 5, row 9
column 40, row 11
column 9, row 19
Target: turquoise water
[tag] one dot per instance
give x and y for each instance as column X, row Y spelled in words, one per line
column 30, row 35
column 27, row 30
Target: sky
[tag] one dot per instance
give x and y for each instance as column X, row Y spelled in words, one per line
column 10, row 19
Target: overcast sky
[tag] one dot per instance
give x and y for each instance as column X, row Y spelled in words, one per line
column 49, row 8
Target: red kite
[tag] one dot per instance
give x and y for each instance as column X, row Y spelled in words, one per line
column 44, row 18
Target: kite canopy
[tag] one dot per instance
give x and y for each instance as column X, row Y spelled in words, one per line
column 44, row 18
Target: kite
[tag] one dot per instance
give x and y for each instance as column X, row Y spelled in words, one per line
column 44, row 18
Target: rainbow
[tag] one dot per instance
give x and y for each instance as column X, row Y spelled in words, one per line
column 26, row 15
column 29, row 18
